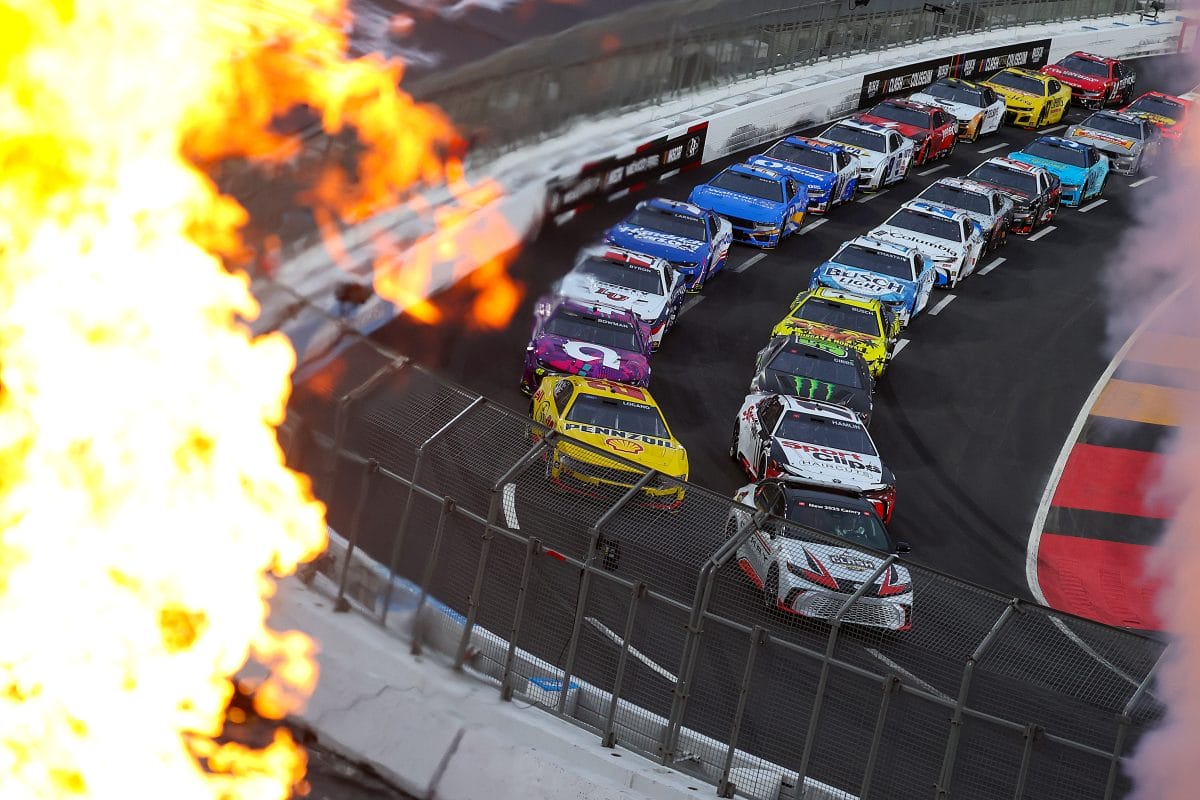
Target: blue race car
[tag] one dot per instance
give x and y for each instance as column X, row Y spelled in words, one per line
column 763, row 205
column 1081, row 167
column 897, row 275
column 828, row 170
column 695, row 241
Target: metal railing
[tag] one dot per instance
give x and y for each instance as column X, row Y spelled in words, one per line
column 649, row 55
column 647, row 633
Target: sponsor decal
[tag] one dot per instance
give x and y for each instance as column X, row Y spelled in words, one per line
column 922, row 241
column 863, row 281
column 585, row 351
column 812, row 388
column 852, row 562
column 840, row 335
column 627, row 446
column 971, row 65
column 1101, row 136
column 831, row 458
column 599, row 430
column 596, row 181
column 828, row 347
column 660, row 238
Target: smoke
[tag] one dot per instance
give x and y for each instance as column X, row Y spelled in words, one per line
column 1156, row 274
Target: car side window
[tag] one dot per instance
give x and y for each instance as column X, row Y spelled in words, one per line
column 997, row 204
column 712, row 226
column 1053, row 87
column 792, row 188
column 843, row 160
column 893, row 142
column 769, row 413
column 767, row 496
column 562, row 395
column 989, row 97
column 1093, row 156
column 966, row 229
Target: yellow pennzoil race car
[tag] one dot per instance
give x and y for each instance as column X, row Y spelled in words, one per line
column 1031, row 99
column 864, row 324
column 615, row 418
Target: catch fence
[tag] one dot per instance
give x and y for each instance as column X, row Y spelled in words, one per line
column 637, row 624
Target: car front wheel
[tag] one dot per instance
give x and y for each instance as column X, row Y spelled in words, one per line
column 771, row 588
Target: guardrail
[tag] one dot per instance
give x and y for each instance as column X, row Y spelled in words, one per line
column 662, row 642
column 649, row 55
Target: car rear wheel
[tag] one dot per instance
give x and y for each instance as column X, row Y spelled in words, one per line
column 733, row 444
column 771, row 588
column 762, row 467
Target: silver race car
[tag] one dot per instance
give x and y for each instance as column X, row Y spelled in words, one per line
column 988, row 206
column 1130, row 142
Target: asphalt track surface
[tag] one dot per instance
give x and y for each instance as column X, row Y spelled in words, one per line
column 970, row 418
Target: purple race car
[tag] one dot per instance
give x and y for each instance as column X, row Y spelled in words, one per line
column 589, row 339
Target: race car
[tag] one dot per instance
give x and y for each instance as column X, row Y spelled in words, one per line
column 1129, row 142
column 978, row 109
column 863, row 324
column 829, row 171
column 1035, row 192
column 807, row 441
column 884, row 154
column 1031, row 99
column 897, row 275
column 763, row 205
column 817, row 370
column 643, row 284
column 988, row 206
column 695, row 241
column 950, row 238
column 613, row 418
column 933, row 129
column 1082, row 169
column 813, row 576
column 1095, row 81
column 587, row 339
column 1168, row 112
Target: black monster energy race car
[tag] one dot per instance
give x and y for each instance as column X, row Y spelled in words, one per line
column 815, row 369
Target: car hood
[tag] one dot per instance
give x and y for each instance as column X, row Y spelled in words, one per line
column 865, row 282
column 911, row 131
column 959, row 110
column 1103, row 140
column 588, row 290
column 1063, row 171
column 828, row 466
column 868, row 159
column 1078, row 80
column 1157, row 119
column 585, row 358
column 807, row 175
column 1013, row 194
column 775, row 381
column 849, row 567
column 829, row 333
column 1005, row 91
column 727, row 203
column 655, row 243
column 652, row 452
column 926, row 244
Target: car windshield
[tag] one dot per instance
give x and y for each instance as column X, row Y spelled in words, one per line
column 891, row 264
column 943, row 195
column 1022, row 83
column 857, row 137
column 928, row 224
column 668, row 222
column 1025, row 182
column 613, row 333
column 1055, row 152
column 627, row 276
column 838, row 434
column 1084, row 66
column 854, row 525
column 1121, row 127
column 783, row 151
column 839, row 315
column 805, row 363
column 956, row 94
column 620, row 415
column 753, row 185
column 1158, row 106
column 906, row 116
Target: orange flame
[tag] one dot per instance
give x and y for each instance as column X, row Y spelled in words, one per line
column 143, row 497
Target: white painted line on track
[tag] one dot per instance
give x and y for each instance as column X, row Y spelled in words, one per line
column 690, row 304
column 900, row 345
column 995, row 263
column 995, row 147
column 749, row 262
column 1043, row 232
column 932, row 170
column 1146, row 179
column 1052, row 130
column 509, row 497
column 868, row 198
column 809, row 228
column 1093, row 204
column 945, row 301
column 923, row 684
column 616, row 639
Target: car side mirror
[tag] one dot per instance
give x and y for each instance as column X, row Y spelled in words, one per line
column 903, row 547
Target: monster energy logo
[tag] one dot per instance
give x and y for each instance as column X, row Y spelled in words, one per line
column 815, row 388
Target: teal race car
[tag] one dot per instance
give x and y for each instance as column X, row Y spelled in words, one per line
column 1080, row 167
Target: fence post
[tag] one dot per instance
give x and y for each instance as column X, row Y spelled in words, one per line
column 942, row 789
column 533, row 546
column 402, row 528
column 758, row 637
column 341, row 421
column 1032, row 734
column 364, row 490
column 448, row 507
column 1114, row 766
column 585, row 582
column 636, row 594
column 835, row 627
column 890, row 684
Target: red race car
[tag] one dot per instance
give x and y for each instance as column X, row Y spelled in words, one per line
column 1168, row 112
column 1095, row 81
column 932, row 128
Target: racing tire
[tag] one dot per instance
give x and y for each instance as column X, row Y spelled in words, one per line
column 1041, row 120
column 762, row 468
column 1103, row 183
column 949, row 151
column 771, row 588
column 733, row 446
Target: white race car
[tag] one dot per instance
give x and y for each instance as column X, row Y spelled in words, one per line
column 978, row 109
column 951, row 238
column 884, row 155
column 811, row 442
column 813, row 576
column 988, row 206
